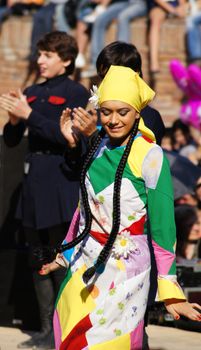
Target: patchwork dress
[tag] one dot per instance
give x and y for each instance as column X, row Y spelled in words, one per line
column 108, row 312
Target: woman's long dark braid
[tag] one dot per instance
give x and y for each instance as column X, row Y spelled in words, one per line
column 85, row 201
column 103, row 256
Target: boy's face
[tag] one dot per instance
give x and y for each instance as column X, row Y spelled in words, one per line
column 50, row 64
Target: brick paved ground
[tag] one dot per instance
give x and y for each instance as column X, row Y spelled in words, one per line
column 160, row 338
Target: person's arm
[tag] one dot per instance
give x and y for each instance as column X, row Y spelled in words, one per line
column 79, row 132
column 13, row 131
column 36, row 121
column 156, row 173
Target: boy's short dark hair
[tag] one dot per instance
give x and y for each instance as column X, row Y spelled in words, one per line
column 61, row 43
column 118, row 53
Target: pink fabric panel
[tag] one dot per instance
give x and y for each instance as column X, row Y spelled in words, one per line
column 137, row 337
column 73, row 228
column 57, row 330
column 164, row 259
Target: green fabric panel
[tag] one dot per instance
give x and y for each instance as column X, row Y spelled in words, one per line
column 161, row 210
column 172, row 270
column 106, row 166
column 63, row 284
column 103, row 169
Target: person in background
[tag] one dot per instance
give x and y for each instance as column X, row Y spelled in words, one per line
column 158, row 12
column 87, row 13
column 17, row 7
column 123, row 13
column 193, row 32
column 183, row 142
column 198, row 192
column 43, row 23
column 167, row 143
column 49, row 193
column 188, row 233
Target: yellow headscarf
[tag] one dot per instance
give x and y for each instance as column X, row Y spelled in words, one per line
column 123, row 84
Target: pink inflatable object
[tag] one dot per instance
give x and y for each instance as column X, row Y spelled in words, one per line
column 188, row 79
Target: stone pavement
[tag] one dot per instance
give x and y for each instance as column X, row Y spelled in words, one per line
column 160, row 338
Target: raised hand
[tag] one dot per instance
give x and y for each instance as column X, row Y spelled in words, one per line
column 15, row 104
column 84, row 121
column 67, row 128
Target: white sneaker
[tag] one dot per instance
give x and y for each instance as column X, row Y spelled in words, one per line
column 80, row 61
column 93, row 15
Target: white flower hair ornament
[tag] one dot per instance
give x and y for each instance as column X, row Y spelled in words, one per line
column 94, row 99
column 124, row 246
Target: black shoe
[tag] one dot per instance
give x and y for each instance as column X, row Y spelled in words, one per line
column 46, row 343
column 33, row 341
column 27, row 344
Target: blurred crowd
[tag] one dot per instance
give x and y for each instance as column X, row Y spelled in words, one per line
column 88, row 21
column 184, row 141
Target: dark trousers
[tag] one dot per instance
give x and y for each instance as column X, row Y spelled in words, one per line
column 46, row 287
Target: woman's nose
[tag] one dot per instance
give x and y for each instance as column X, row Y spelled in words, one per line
column 114, row 119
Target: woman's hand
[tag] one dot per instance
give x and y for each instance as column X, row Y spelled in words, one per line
column 47, row 268
column 85, row 122
column 15, row 104
column 67, row 129
column 180, row 11
column 176, row 307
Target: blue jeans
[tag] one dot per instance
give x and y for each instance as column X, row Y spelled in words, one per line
column 42, row 24
column 60, row 20
column 193, row 29
column 135, row 9
column 100, row 26
column 4, row 12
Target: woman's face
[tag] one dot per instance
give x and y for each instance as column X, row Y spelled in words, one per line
column 198, row 189
column 117, row 118
column 50, row 64
column 180, row 138
column 195, row 232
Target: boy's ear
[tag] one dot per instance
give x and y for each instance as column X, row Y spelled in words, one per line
column 67, row 63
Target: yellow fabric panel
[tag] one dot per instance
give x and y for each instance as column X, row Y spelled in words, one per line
column 146, row 131
column 137, row 154
column 119, row 343
column 75, row 303
column 120, row 265
column 168, row 290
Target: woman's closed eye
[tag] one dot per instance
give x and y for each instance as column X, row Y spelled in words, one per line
column 105, row 111
column 122, row 112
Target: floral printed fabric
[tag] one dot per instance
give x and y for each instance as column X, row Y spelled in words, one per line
column 108, row 312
